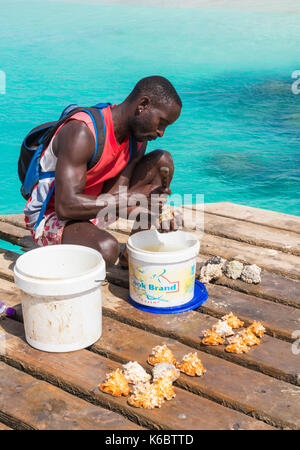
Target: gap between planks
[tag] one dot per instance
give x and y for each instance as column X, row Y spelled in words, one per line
column 109, row 305
column 273, row 287
column 275, row 261
column 29, row 403
column 251, row 214
column 273, row 401
column 274, row 358
column 62, row 370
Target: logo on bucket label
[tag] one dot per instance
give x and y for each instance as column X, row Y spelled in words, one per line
column 160, row 287
column 157, row 283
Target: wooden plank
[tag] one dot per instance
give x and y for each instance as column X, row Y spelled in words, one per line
column 273, row 357
column 251, row 392
column 272, row 287
column 272, row 260
column 15, row 235
column 253, row 215
column 14, row 219
column 279, row 320
column 225, row 209
column 7, row 262
column 251, row 233
column 28, row 403
column 269, row 259
column 279, row 362
column 81, row 372
column 4, row 427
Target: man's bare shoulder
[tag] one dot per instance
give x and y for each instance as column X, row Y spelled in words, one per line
column 74, row 140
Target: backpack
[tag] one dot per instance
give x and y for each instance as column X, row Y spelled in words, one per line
column 38, row 139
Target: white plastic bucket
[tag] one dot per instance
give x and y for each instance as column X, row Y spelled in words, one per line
column 61, row 296
column 162, row 279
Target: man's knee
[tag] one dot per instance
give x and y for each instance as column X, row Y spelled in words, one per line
column 164, row 159
column 109, row 249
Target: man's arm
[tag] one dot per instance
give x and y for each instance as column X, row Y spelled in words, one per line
column 74, row 146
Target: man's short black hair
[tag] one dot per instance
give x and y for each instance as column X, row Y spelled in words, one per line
column 158, row 88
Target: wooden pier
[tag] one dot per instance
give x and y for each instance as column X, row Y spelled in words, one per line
column 256, row 390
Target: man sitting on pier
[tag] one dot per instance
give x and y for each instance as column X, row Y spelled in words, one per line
column 82, row 178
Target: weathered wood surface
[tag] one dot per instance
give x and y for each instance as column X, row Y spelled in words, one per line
column 252, row 215
column 28, row 403
column 279, row 320
column 261, row 235
column 272, row 287
column 272, row 260
column 236, row 381
column 7, row 262
column 14, row 219
column 82, row 371
column 249, row 391
column 273, row 357
column 15, row 235
column 268, row 258
column 4, row 427
column 254, row 393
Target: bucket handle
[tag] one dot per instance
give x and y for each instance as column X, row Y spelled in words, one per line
column 103, row 282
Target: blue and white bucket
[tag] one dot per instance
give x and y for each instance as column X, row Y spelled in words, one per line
column 164, row 281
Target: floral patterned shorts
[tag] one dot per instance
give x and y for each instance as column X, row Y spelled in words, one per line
column 52, row 231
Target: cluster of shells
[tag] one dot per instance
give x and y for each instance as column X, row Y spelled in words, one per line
column 222, row 332
column 216, row 266
column 144, row 392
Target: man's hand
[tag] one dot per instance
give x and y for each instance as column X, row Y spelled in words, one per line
column 149, row 198
column 147, row 203
column 172, row 223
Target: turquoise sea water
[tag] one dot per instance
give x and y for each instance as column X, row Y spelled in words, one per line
column 238, row 136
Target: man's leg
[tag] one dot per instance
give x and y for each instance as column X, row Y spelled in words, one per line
column 147, row 170
column 88, row 234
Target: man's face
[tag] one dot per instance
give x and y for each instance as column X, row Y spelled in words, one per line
column 150, row 122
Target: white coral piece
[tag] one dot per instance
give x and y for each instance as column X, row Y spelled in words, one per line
column 210, row 272
column 212, row 269
column 233, row 269
column 135, row 373
column 251, row 274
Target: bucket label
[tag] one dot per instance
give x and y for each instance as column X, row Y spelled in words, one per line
column 157, row 286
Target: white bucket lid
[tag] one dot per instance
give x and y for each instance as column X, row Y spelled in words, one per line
column 59, row 270
column 138, row 241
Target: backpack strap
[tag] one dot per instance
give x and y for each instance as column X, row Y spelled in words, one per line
column 99, row 124
column 133, row 148
column 133, row 145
